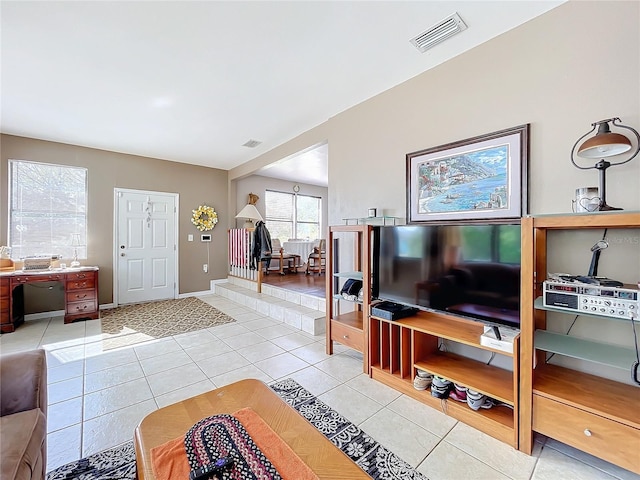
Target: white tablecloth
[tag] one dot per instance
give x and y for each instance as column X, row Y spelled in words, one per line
column 300, row 247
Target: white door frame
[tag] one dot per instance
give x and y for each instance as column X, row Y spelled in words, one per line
column 116, row 252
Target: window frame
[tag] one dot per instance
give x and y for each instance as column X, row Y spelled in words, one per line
column 79, row 216
column 294, row 221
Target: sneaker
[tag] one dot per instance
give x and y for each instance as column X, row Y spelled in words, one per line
column 476, row 400
column 421, row 383
column 459, row 393
column 422, row 380
column 440, row 387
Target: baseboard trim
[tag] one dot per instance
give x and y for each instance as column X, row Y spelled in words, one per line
column 196, row 294
column 41, row 315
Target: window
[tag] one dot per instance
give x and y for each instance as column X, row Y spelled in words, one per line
column 292, row 216
column 47, row 209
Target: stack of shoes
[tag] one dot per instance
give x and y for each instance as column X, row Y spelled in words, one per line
column 459, row 393
column 422, row 380
column 477, row 400
column 441, row 387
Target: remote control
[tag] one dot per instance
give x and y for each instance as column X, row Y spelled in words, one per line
column 207, row 471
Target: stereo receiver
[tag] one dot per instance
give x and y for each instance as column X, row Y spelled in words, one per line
column 617, row 302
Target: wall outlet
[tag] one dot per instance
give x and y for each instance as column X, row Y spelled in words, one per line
column 205, row 268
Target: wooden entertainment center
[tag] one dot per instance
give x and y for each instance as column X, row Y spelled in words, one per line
column 346, row 319
column 591, row 413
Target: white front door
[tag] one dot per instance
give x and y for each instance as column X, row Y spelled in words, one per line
column 146, row 245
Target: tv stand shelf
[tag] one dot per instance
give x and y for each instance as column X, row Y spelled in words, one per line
column 595, row 414
column 597, row 352
column 399, row 348
column 345, row 318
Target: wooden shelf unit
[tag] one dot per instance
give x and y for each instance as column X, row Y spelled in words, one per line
column 348, row 328
column 398, row 348
column 591, row 413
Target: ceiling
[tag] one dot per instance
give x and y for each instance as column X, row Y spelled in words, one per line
column 192, row 81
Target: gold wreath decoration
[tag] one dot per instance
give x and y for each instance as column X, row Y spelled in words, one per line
column 204, row 218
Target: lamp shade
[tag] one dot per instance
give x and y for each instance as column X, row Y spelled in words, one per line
column 250, row 212
column 604, row 144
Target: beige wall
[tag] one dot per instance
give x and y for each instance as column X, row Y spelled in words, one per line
column 554, row 72
column 108, row 170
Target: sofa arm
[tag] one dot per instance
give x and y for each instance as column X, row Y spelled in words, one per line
column 24, row 382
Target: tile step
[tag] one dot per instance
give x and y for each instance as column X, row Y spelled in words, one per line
column 299, row 310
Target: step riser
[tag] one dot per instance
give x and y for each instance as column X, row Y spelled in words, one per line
column 300, row 311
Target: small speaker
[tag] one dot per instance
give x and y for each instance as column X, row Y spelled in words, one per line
column 561, row 300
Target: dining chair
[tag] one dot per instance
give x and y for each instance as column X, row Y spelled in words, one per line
column 317, row 261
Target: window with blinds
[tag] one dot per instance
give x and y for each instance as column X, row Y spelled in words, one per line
column 292, row 215
column 47, row 209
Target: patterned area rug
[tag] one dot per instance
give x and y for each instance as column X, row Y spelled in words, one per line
column 131, row 324
column 373, row 458
column 378, row 462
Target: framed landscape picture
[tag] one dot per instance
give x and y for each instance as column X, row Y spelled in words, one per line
column 483, row 177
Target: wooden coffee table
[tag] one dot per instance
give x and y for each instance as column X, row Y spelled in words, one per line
column 324, row 458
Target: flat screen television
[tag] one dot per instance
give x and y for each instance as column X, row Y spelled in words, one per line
column 470, row 270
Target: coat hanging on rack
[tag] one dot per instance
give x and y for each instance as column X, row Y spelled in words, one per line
column 260, row 245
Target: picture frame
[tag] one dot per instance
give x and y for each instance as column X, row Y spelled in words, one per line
column 480, row 178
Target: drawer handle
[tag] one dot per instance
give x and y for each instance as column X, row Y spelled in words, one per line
column 81, row 275
column 81, row 296
column 83, row 284
column 84, row 307
column 345, row 336
column 587, row 432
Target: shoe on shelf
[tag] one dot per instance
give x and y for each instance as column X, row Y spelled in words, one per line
column 459, row 393
column 421, row 383
column 440, row 387
column 422, row 380
column 477, row 400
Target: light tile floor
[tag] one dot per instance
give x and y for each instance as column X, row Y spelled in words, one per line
column 97, row 397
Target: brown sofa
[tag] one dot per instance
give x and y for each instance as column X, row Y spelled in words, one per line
column 23, row 415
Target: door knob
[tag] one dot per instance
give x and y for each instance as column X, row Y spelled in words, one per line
column 122, row 254
column 121, row 246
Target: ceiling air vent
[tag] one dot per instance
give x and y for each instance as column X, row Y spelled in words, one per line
column 251, row 143
column 439, row 32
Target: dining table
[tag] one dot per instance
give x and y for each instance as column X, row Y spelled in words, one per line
column 300, row 247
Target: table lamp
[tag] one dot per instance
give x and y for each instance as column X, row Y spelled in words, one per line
column 249, row 213
column 75, row 242
column 605, row 144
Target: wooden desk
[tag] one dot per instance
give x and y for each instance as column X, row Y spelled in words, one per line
column 324, row 458
column 80, row 294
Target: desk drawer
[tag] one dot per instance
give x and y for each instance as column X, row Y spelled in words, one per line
column 347, row 335
column 80, row 284
column 80, row 275
column 75, row 308
column 4, row 288
column 80, row 295
column 604, row 438
column 50, row 277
